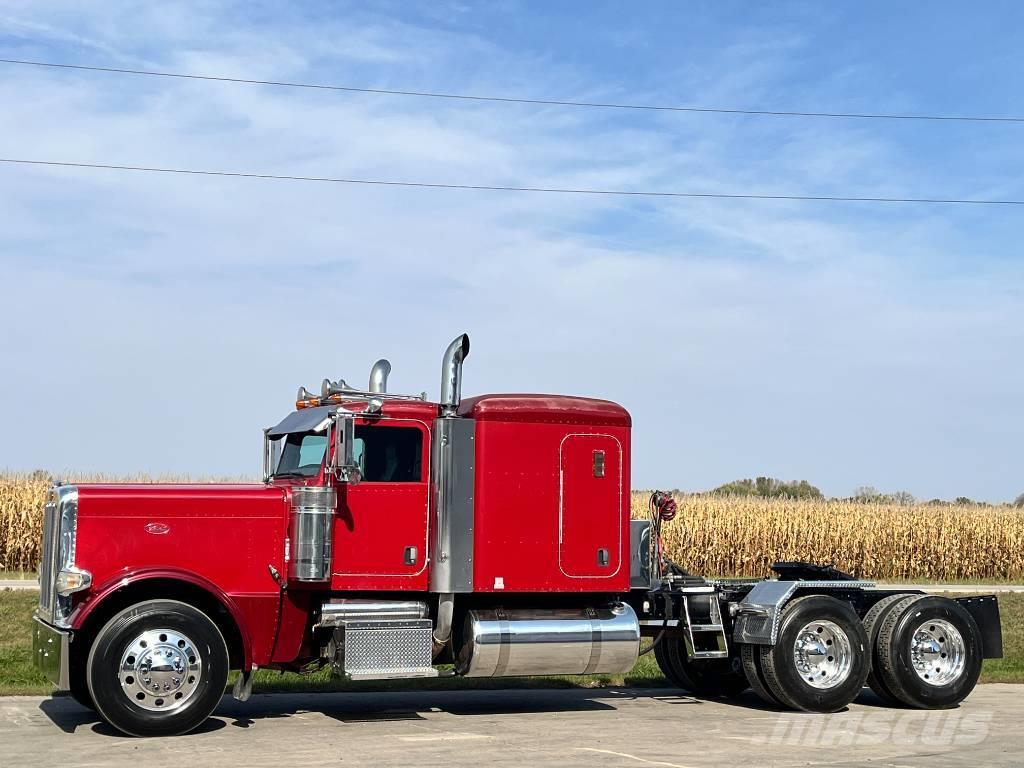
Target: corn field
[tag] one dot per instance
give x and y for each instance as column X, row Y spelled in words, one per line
column 743, row 536
column 22, row 496
column 21, row 519
column 721, row 536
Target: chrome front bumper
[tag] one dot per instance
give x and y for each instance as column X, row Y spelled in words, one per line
column 50, row 652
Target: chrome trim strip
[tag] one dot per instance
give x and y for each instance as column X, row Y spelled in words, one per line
column 454, row 485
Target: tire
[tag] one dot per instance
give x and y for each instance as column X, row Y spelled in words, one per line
column 701, row 677
column 832, row 645
column 750, row 656
column 157, row 668
column 872, row 624
column 674, row 676
column 930, row 652
column 78, row 684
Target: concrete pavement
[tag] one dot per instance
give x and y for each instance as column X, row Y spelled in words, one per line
column 536, row 728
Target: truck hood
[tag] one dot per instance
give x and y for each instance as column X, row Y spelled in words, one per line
column 155, row 502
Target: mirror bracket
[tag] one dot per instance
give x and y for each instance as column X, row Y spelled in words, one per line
column 343, row 432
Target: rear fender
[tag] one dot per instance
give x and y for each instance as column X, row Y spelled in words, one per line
column 759, row 613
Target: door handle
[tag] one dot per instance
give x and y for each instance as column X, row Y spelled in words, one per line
column 412, row 554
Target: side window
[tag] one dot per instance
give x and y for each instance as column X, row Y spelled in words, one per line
column 389, row 454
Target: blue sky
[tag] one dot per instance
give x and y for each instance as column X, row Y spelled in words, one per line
column 156, row 324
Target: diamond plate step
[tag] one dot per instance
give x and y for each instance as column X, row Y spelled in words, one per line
column 382, row 649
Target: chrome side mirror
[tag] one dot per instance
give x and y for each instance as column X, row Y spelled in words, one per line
column 271, row 454
column 343, row 464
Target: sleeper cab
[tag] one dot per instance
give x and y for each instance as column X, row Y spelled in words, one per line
column 552, row 494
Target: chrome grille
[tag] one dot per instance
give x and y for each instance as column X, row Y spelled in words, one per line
column 48, row 563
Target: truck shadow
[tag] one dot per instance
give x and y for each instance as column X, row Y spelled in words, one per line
column 70, row 716
column 410, row 705
column 749, row 700
column 67, row 714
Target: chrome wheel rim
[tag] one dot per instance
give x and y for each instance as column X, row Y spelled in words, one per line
column 938, row 653
column 160, row 670
column 823, row 654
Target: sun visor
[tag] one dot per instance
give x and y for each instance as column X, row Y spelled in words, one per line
column 305, row 420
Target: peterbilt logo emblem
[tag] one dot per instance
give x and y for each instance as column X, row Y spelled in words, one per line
column 157, row 528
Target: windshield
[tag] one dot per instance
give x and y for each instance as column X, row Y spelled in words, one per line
column 302, row 454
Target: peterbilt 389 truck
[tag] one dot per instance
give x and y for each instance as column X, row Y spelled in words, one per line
column 393, row 537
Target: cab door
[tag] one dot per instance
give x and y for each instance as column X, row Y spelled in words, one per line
column 590, row 515
column 380, row 535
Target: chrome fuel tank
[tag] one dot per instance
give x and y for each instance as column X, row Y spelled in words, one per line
column 562, row 641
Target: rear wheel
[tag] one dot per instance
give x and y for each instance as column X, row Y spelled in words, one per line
column 666, row 668
column 157, row 669
column 750, row 655
column 820, row 660
column 872, row 624
column 702, row 677
column 930, row 652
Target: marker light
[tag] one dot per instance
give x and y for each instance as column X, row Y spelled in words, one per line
column 72, row 580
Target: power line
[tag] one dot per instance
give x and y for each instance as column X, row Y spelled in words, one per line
column 514, row 100
column 501, row 188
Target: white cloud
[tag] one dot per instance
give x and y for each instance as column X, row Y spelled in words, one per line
column 179, row 314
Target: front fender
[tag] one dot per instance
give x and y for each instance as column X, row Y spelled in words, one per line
column 98, row 596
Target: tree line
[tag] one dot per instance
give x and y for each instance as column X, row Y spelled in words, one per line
column 774, row 488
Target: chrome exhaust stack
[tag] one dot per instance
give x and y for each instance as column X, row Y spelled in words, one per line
column 451, row 374
column 379, row 377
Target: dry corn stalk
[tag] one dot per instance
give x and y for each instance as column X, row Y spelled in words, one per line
column 743, row 536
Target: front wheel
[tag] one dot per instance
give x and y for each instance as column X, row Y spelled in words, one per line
column 157, row 669
column 79, row 689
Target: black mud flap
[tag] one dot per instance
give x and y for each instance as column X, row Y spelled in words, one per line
column 985, row 610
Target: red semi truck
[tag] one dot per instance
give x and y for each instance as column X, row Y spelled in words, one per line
column 488, row 536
